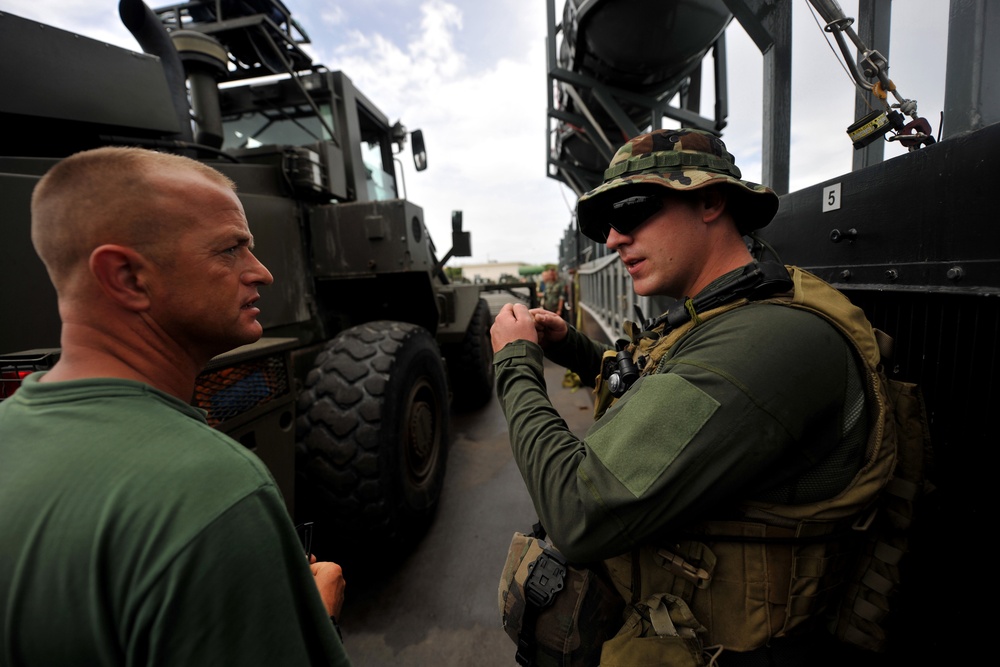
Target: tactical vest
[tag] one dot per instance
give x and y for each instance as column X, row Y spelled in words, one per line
column 772, row 572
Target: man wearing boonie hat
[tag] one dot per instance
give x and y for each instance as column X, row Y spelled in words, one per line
column 683, row 161
column 739, row 413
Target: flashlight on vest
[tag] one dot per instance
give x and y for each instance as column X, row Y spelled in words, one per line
column 624, row 376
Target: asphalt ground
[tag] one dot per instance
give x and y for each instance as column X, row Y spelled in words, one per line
column 438, row 606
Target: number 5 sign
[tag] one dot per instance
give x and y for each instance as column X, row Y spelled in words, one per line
column 831, row 197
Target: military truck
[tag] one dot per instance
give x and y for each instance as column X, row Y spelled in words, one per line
column 348, row 396
column 912, row 240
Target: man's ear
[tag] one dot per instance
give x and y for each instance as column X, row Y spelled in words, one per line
column 713, row 202
column 122, row 274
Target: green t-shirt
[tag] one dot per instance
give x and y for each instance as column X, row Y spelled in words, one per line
column 134, row 534
column 745, row 406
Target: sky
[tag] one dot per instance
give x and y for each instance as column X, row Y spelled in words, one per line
column 471, row 75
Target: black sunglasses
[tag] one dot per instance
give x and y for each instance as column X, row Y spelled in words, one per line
column 624, row 216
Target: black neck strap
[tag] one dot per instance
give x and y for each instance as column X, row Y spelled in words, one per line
column 759, row 280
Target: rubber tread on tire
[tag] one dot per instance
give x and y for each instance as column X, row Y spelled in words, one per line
column 372, row 434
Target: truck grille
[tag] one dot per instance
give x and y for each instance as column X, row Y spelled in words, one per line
column 231, row 391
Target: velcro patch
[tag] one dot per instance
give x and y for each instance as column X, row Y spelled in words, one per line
column 645, row 431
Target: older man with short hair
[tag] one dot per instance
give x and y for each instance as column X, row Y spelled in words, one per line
column 134, row 534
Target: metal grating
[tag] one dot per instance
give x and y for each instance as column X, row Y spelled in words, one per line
column 231, row 391
column 946, row 343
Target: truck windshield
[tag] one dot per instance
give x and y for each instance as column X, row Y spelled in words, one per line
column 298, row 125
column 288, row 126
column 381, row 185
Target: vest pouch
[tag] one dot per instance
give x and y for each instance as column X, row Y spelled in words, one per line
column 660, row 631
column 570, row 630
column 872, row 589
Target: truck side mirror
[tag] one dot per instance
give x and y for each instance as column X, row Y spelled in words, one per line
column 419, row 151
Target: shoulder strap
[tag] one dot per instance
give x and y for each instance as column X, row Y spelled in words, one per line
column 651, row 340
column 759, row 281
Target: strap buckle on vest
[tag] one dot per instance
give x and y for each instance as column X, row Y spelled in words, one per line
column 546, row 577
column 864, row 522
column 698, row 576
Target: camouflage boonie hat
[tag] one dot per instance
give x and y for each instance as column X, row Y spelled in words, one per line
column 683, row 160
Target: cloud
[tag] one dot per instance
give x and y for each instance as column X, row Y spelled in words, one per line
column 333, row 16
column 395, row 75
column 436, row 44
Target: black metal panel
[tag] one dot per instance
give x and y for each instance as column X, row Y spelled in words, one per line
column 410, row 296
column 59, row 86
column 925, row 221
column 946, row 343
column 360, row 239
column 29, row 317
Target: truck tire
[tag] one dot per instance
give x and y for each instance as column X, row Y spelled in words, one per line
column 373, row 436
column 470, row 363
